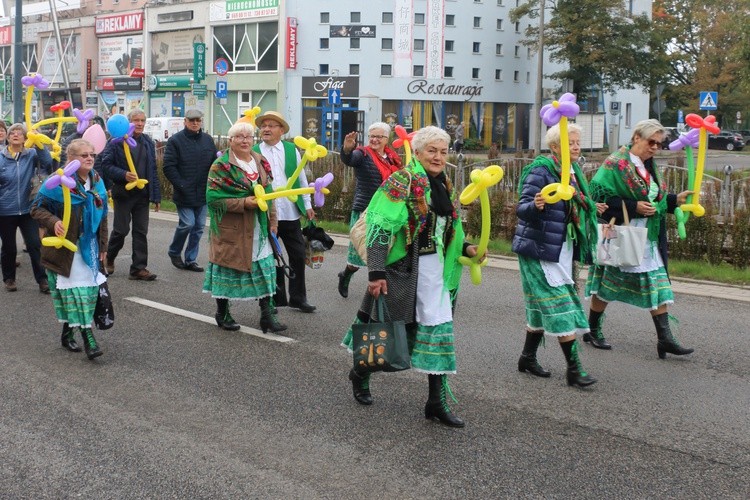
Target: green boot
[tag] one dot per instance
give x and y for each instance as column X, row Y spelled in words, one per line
column 437, row 405
column 89, row 343
column 68, row 339
column 576, row 374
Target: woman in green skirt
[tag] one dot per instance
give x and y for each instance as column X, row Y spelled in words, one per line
column 74, row 277
column 241, row 262
column 548, row 239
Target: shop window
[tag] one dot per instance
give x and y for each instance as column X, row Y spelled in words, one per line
column 475, row 73
column 248, row 47
column 418, row 18
column 387, row 18
column 325, row 17
column 386, row 70
column 324, row 43
column 419, row 44
column 450, row 20
column 386, row 44
column 448, row 72
column 354, row 43
column 355, row 17
column 418, row 70
column 323, row 69
column 354, row 69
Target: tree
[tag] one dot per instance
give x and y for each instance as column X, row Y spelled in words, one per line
column 602, row 44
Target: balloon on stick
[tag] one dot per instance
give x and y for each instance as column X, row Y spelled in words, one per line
column 704, row 125
column 481, row 181
column 687, row 141
column 122, row 131
column 63, row 177
column 318, row 188
column 404, row 139
column 552, row 114
column 311, row 152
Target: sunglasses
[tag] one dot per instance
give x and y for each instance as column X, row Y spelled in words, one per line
column 652, row 143
column 86, row 155
column 195, row 120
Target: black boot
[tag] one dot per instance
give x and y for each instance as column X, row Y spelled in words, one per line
column 89, row 343
column 68, row 339
column 268, row 319
column 223, row 318
column 527, row 362
column 576, row 374
column 361, row 387
column 345, row 277
column 667, row 343
column 596, row 337
column 437, row 406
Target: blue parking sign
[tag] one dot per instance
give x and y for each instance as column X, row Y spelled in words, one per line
column 221, row 89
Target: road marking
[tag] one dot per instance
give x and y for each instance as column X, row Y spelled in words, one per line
column 208, row 319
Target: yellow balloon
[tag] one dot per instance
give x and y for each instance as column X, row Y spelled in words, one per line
column 261, row 197
column 552, row 193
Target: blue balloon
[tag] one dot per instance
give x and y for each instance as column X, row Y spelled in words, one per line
column 118, row 125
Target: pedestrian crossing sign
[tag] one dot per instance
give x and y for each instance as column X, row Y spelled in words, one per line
column 708, row 100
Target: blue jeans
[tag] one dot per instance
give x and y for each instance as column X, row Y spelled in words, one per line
column 190, row 228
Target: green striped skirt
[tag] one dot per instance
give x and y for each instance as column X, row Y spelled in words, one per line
column 74, row 306
column 227, row 283
column 555, row 309
column 352, row 257
column 648, row 290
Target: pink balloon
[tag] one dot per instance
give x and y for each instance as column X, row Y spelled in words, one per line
column 95, row 135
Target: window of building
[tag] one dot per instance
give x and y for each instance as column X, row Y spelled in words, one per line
column 324, row 43
column 418, row 70
column 419, row 44
column 418, row 18
column 355, row 17
column 386, row 70
column 501, row 3
column 628, row 115
column 115, row 2
column 448, row 72
column 518, row 26
column 323, row 70
column 450, row 20
column 528, row 77
column 475, row 73
column 449, row 44
column 528, row 52
column 498, row 49
column 475, row 47
column 386, row 44
column 499, row 75
column 499, row 25
column 354, row 69
column 387, row 18
column 516, row 76
column 354, row 43
column 325, row 17
column 248, row 47
column 477, row 22
column 516, row 50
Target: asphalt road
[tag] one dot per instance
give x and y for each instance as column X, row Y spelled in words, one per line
column 177, row 408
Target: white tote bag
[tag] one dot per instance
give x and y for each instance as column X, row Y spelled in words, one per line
column 621, row 246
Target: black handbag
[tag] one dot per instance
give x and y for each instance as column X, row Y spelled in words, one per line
column 380, row 345
column 104, row 314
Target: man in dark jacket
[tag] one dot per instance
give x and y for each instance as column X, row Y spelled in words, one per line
column 132, row 204
column 188, row 157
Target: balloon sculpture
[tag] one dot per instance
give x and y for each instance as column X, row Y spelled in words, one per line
column 552, row 114
column 404, row 139
column 481, row 180
column 687, row 141
column 704, row 125
column 64, row 177
column 121, row 130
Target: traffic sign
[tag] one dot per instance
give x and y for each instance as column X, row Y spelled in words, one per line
column 221, row 66
column 221, row 89
column 200, row 89
column 334, row 97
column 708, row 100
column 614, row 108
column 680, row 116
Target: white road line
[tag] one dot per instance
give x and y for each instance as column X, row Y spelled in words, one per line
column 208, row 319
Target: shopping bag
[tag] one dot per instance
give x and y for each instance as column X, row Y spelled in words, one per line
column 104, row 314
column 358, row 235
column 621, row 246
column 380, row 345
column 314, row 255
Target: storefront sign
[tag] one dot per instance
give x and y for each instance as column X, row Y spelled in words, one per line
column 434, row 41
column 50, row 61
column 291, row 42
column 199, row 62
column 119, row 84
column 88, row 74
column 174, row 17
column 6, row 35
column 402, row 38
column 119, row 55
column 178, row 82
column 318, row 86
column 349, row 31
column 119, row 23
column 8, row 90
column 172, row 51
column 242, row 9
column 443, row 89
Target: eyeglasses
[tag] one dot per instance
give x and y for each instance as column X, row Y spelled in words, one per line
column 380, row 137
column 243, row 138
column 86, row 155
column 652, row 143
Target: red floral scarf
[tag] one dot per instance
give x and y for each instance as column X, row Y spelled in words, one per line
column 386, row 166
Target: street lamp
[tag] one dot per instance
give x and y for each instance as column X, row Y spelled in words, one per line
column 539, row 81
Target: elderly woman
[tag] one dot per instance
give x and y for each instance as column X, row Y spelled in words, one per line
column 241, row 263
column 419, row 275
column 372, row 165
column 74, row 277
column 18, row 165
column 629, row 177
column 548, row 239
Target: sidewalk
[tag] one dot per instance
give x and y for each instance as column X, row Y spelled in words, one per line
column 679, row 285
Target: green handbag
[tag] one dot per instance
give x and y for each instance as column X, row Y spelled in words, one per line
column 380, row 345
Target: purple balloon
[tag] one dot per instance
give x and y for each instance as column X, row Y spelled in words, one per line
column 691, row 139
column 566, row 106
column 37, row 80
column 64, row 178
column 84, row 117
column 127, row 137
column 319, row 184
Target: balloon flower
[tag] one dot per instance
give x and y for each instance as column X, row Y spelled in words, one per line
column 122, row 131
column 63, row 176
column 552, row 114
column 318, row 188
column 704, row 125
column 687, row 141
column 404, row 139
column 481, row 180
column 311, row 152
column 249, row 115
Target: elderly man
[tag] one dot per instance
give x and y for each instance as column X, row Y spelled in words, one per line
column 132, row 205
column 188, row 157
column 284, row 158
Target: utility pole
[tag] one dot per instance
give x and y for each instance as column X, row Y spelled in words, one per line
column 539, row 81
column 17, row 64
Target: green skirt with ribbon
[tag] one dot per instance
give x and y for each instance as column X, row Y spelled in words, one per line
column 74, row 306
column 648, row 290
column 227, row 283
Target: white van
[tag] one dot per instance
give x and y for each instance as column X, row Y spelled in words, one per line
column 163, row 127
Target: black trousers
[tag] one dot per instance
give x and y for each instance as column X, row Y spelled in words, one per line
column 290, row 232
column 132, row 209
column 9, row 225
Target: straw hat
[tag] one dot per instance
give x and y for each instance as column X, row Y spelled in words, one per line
column 272, row 115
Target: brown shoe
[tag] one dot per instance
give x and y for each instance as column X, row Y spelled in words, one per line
column 143, row 275
column 44, row 287
column 10, row 285
column 109, row 266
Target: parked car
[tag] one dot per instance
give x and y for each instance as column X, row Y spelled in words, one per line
column 726, row 140
column 745, row 135
column 672, row 135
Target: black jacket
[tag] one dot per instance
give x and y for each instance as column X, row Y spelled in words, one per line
column 367, row 175
column 188, row 157
column 115, row 166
